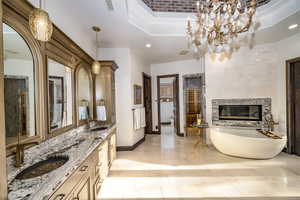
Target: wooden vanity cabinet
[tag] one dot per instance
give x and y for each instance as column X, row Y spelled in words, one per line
column 85, row 183
column 76, row 186
column 105, row 91
column 112, row 149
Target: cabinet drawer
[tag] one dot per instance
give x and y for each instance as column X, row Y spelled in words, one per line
column 64, row 192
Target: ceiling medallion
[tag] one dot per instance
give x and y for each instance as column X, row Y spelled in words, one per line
column 219, row 26
column 96, row 66
column 40, row 24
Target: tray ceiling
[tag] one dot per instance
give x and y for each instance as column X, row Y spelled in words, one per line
column 183, row 6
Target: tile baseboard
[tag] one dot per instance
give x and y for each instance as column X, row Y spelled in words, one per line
column 133, row 147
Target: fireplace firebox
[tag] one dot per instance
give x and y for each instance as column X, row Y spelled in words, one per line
column 240, row 112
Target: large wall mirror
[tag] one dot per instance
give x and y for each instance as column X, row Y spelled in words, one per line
column 84, row 95
column 19, row 87
column 60, row 97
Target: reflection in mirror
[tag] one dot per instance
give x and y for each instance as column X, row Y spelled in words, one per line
column 19, row 87
column 84, row 95
column 60, row 95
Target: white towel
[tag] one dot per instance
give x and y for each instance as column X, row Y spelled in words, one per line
column 101, row 113
column 143, row 117
column 83, row 113
column 136, row 119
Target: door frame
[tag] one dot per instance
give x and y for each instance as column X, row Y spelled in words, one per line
column 176, row 76
column 290, row 105
column 146, row 76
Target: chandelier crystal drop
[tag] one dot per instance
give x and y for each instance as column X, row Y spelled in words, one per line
column 96, row 66
column 219, row 25
column 40, row 24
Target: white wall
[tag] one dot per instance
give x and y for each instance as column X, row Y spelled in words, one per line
column 66, row 21
column 138, row 67
column 253, row 73
column 123, row 93
column 286, row 49
column 182, row 68
column 131, row 67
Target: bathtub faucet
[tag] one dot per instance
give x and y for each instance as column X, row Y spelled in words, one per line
column 271, row 123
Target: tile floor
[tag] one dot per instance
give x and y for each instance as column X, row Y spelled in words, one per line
column 170, row 167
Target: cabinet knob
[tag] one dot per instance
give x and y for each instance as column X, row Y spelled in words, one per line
column 59, row 197
column 84, row 168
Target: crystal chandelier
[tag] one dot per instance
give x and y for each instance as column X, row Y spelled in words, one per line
column 96, row 66
column 219, row 24
column 40, row 24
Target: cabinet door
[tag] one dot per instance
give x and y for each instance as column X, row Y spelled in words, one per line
column 83, row 190
column 103, row 160
column 112, row 149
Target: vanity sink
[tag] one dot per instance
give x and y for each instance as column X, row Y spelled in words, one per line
column 99, row 129
column 42, row 167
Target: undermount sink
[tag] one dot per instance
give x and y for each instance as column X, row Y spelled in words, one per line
column 42, row 167
column 99, row 129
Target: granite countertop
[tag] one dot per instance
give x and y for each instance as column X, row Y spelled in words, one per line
column 77, row 145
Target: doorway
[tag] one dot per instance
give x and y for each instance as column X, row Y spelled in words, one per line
column 194, row 103
column 148, row 102
column 168, row 103
column 293, row 105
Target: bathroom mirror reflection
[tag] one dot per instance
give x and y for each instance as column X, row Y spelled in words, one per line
column 85, row 108
column 19, row 87
column 60, row 99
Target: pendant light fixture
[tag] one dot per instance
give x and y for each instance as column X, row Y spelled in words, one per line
column 40, row 24
column 96, row 66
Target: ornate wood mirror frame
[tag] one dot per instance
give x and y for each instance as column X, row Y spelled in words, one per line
column 61, row 60
column 3, row 182
column 91, row 100
column 19, row 24
column 60, row 48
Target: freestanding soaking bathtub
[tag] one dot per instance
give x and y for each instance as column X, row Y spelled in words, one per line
column 246, row 143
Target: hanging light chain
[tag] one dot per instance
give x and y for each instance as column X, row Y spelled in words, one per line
column 96, row 45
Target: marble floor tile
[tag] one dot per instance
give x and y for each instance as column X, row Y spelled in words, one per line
column 170, row 167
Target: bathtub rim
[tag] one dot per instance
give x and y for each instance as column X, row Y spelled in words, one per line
column 216, row 130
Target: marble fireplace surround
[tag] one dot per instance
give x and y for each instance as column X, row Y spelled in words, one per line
column 266, row 110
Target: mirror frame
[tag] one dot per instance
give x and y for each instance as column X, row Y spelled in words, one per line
column 91, row 79
column 61, row 61
column 15, row 14
column 11, row 20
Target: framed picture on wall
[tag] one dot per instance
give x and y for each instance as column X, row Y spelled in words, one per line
column 137, row 94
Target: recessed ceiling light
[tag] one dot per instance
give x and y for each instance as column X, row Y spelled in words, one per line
column 293, row 26
column 148, row 45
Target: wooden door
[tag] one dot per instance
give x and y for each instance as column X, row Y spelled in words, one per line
column 148, row 103
column 175, row 106
column 175, row 102
column 296, row 83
